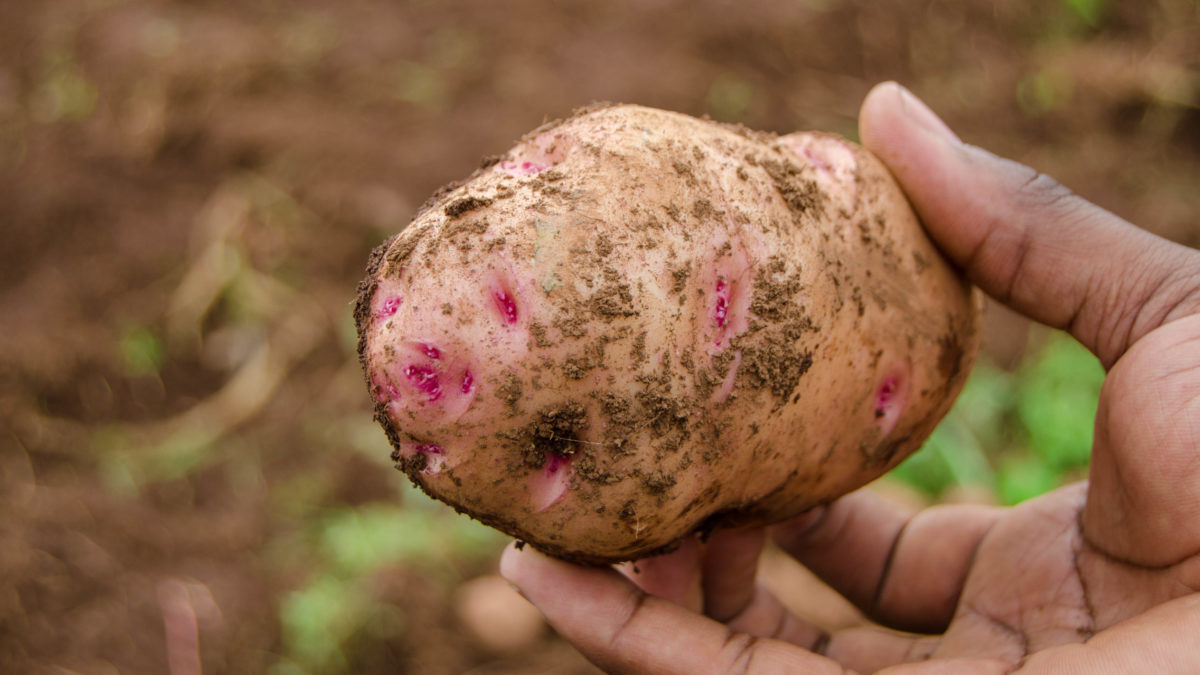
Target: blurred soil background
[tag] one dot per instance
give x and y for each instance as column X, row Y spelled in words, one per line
column 189, row 476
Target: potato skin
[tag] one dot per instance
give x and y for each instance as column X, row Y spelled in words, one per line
column 637, row 324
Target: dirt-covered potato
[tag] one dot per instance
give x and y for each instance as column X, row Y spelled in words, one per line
column 636, row 324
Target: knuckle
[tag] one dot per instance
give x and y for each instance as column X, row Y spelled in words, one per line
column 1040, row 191
column 637, row 607
column 738, row 652
column 1043, row 199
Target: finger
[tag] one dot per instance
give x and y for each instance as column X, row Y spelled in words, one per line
column 905, row 571
column 964, row 666
column 869, row 649
column 622, row 629
column 766, row 616
column 1026, row 240
column 673, row 576
column 730, row 570
column 733, row 596
column 1144, row 487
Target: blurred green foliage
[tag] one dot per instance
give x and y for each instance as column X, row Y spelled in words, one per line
column 64, row 93
column 1091, row 12
column 1015, row 434
column 1044, row 91
column 345, row 549
column 729, row 97
column 142, row 351
column 420, row 84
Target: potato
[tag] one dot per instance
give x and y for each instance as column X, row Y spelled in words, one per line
column 636, row 325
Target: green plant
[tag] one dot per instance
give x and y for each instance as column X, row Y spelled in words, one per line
column 1017, row 434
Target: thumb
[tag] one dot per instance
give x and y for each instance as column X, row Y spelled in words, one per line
column 1026, row 240
column 1144, row 482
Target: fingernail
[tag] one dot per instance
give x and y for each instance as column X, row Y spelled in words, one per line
column 509, row 562
column 918, row 112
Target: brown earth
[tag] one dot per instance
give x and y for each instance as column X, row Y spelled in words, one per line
column 188, row 194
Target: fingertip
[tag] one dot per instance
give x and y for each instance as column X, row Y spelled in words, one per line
column 877, row 107
column 512, row 561
column 892, row 118
column 673, row 576
column 879, row 115
column 527, row 568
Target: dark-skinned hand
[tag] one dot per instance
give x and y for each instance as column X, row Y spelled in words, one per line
column 1098, row 577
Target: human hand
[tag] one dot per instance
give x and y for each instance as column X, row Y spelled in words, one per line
column 1102, row 576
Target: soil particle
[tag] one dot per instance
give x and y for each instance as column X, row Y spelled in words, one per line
column 879, row 452
column 556, row 430
column 680, row 275
column 686, row 171
column 673, row 213
column 613, row 299
column 538, row 331
column 621, row 420
column 950, row 356
column 412, row 465
column 577, row 366
column 572, row 325
column 510, row 392
column 661, row 412
column 658, row 482
column 857, row 297
column 604, row 246
column 920, row 261
column 365, row 293
column 801, row 196
column 465, row 204
column 708, row 379
column 574, row 368
column 776, row 363
column 703, row 209
column 401, row 249
column 772, row 299
column 638, row 354
column 455, row 228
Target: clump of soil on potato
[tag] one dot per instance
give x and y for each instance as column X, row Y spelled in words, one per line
column 556, row 431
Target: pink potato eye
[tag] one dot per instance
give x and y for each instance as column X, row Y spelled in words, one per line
column 507, row 306
column 434, row 454
column 891, row 399
column 886, row 391
column 549, row 484
column 425, row 380
column 537, row 155
column 522, row 168
column 468, row 382
column 721, row 312
column 818, row 162
column 554, row 462
column 389, row 307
